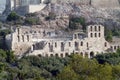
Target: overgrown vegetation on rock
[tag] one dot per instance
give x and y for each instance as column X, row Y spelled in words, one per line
column 76, row 23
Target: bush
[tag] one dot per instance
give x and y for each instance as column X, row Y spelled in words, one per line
column 32, row 21
column 13, row 17
column 75, row 22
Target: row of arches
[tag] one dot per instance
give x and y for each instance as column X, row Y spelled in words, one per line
column 87, row 55
column 95, row 34
column 22, row 38
column 95, row 28
column 115, row 47
column 62, row 45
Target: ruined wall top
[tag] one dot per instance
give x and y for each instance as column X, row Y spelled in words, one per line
column 95, row 3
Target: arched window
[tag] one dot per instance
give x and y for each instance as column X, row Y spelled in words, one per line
column 111, row 47
column 115, row 47
column 95, row 28
column 56, row 55
column 99, row 28
column 105, row 44
column 87, row 44
column 95, row 34
column 61, row 55
column 62, row 46
column 91, row 54
column 76, row 46
column 81, row 43
column 91, row 34
column 69, row 44
column 81, row 54
column 99, row 35
column 18, row 38
column 40, row 55
column 51, row 55
column 18, row 30
column 23, row 38
column 90, row 28
column 118, row 47
column 55, row 44
column 49, row 44
column 75, row 36
column 27, row 37
column 66, row 54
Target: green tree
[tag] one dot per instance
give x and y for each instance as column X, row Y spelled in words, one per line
column 13, row 17
column 116, row 72
column 68, row 74
column 75, row 22
column 108, row 35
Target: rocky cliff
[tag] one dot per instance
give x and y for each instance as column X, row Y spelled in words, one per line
column 109, row 17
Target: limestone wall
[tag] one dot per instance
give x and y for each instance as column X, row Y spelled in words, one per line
column 67, row 1
column 105, row 3
column 35, row 8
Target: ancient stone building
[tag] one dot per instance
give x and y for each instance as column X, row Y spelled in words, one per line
column 49, row 42
column 24, row 6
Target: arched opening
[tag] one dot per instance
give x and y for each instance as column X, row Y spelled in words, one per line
column 118, row 47
column 18, row 38
column 40, row 55
column 91, row 34
column 61, row 55
column 90, row 28
column 95, row 28
column 55, row 44
column 105, row 44
column 99, row 28
column 69, row 44
column 91, row 54
column 115, row 47
column 33, row 46
column 76, row 53
column 81, row 54
column 56, row 55
column 66, row 54
column 23, row 38
column 50, row 47
column 95, row 34
column 87, row 44
column 51, row 55
column 81, row 44
column 99, row 35
column 27, row 37
column 76, row 45
column 75, row 36
column 62, row 46
column 111, row 47
column 18, row 30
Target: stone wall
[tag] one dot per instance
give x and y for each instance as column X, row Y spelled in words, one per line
column 106, row 3
column 95, row 3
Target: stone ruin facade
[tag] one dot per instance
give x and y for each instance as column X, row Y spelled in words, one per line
column 49, row 42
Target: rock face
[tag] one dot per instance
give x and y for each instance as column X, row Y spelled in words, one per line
column 105, row 3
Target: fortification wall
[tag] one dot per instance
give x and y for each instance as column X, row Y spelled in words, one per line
column 95, row 3
column 67, row 1
column 105, row 3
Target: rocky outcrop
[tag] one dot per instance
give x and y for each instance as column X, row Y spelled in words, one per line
column 107, row 16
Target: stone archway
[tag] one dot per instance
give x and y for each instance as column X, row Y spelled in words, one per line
column 91, row 54
column 81, row 54
column 66, row 54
